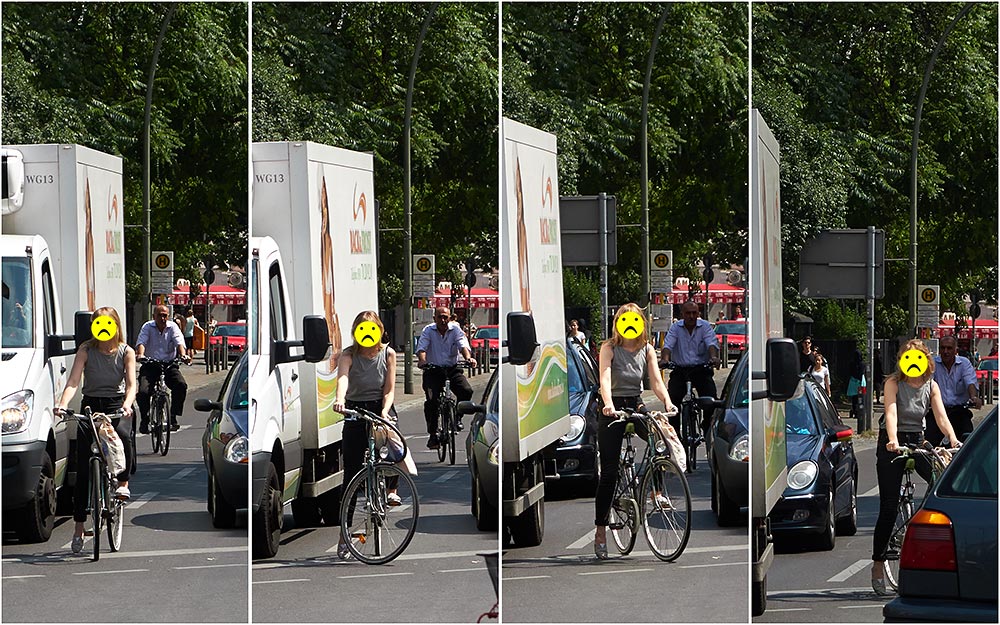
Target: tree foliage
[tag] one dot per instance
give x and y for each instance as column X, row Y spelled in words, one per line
column 77, row 72
column 337, row 73
column 837, row 83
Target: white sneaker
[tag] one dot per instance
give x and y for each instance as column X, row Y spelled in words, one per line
column 77, row 544
column 662, row 502
column 123, row 493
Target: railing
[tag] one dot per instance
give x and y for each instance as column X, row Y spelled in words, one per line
column 217, row 356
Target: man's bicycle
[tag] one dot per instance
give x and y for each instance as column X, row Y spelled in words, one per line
column 379, row 508
column 692, row 408
column 106, row 510
column 159, row 405
column 448, row 417
column 653, row 493
column 939, row 458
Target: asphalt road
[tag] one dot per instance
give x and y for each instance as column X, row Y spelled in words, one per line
column 562, row 581
column 173, row 566
column 440, row 578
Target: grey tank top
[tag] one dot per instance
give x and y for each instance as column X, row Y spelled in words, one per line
column 627, row 370
column 367, row 376
column 911, row 406
column 104, row 374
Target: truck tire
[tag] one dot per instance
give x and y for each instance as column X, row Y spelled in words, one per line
column 728, row 511
column 486, row 515
column 223, row 514
column 527, row 530
column 40, row 514
column 269, row 518
column 758, row 597
column 305, row 511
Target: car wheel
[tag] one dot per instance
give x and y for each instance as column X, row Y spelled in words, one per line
column 223, row 514
column 848, row 525
column 486, row 515
column 728, row 510
column 828, row 538
column 269, row 517
column 596, row 479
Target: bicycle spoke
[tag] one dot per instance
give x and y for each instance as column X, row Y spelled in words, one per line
column 666, row 509
column 378, row 531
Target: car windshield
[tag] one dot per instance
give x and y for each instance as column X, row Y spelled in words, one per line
column 799, row 420
column 487, row 333
column 575, row 380
column 233, row 330
column 16, row 321
column 974, row 473
column 988, row 365
column 240, row 399
column 731, row 328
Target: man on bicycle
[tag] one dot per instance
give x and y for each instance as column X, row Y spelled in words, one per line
column 956, row 378
column 161, row 339
column 690, row 344
column 440, row 343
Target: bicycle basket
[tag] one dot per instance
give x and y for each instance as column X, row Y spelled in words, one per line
column 387, row 438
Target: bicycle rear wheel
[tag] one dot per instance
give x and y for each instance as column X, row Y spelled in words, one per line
column 165, row 425
column 97, row 490
column 666, row 509
column 375, row 530
column 891, row 563
column 623, row 520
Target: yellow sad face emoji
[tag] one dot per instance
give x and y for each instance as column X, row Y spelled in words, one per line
column 367, row 334
column 630, row 325
column 104, row 328
column 913, row 363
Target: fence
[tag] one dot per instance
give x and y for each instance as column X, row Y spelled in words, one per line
column 217, row 356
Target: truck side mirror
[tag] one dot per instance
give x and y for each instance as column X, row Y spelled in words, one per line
column 782, row 360
column 12, row 179
column 315, row 337
column 521, row 339
column 81, row 327
column 55, row 345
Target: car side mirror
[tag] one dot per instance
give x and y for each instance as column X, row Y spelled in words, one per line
column 782, row 369
column 207, row 405
column 521, row 338
column 469, row 407
column 840, row 434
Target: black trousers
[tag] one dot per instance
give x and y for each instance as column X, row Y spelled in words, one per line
column 961, row 421
column 433, row 384
column 149, row 375
column 609, row 443
column 701, row 379
column 84, row 439
column 890, row 478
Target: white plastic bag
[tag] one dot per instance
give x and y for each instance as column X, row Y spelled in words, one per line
column 111, row 444
column 673, row 441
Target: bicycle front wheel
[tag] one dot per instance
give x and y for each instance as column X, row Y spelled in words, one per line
column 116, row 518
column 623, row 520
column 891, row 563
column 155, row 425
column 666, row 509
column 377, row 527
column 165, row 425
column 97, row 490
column 451, row 441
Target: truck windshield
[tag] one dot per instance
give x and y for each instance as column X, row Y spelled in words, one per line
column 16, row 310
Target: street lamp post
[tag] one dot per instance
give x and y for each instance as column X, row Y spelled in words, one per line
column 644, row 162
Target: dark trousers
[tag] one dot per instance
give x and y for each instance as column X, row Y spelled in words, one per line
column 890, row 478
column 609, row 444
column 433, row 384
column 149, row 375
column 84, row 439
column 961, row 421
column 701, row 379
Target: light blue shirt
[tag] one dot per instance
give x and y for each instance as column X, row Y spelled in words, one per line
column 160, row 345
column 442, row 350
column 690, row 348
column 954, row 384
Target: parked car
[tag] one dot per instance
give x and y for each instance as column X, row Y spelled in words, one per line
column 576, row 451
column 236, row 331
column 734, row 333
column 225, row 446
column 822, row 496
column 482, row 452
column 987, row 368
column 488, row 336
column 729, row 446
column 948, row 565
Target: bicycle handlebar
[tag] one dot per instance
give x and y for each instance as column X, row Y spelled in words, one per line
column 164, row 363
column 674, row 366
column 429, row 367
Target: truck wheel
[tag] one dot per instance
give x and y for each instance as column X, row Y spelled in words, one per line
column 305, row 511
column 268, row 520
column 527, row 529
column 39, row 514
column 223, row 514
column 486, row 515
column 728, row 511
column 758, row 598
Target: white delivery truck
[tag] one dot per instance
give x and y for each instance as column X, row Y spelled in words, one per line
column 62, row 248
column 775, row 368
column 535, row 410
column 313, row 259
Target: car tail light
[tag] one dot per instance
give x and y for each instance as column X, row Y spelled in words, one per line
column 929, row 543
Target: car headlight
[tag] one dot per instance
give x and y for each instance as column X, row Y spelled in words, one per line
column 740, row 451
column 16, row 411
column 576, row 426
column 802, row 475
column 238, row 450
column 494, row 455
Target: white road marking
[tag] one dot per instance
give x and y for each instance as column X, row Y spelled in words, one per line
column 207, row 566
column 372, row 575
column 819, row 591
column 281, row 581
column 21, row 576
column 143, row 499
column 587, row 539
column 112, row 572
column 514, row 579
column 404, row 557
column 445, row 477
column 852, row 607
column 461, row 570
column 870, row 492
column 849, row 572
column 615, row 572
column 183, row 473
column 789, row 609
column 705, row 566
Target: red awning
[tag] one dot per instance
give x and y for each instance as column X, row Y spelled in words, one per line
column 985, row 329
column 717, row 294
column 221, row 295
column 481, row 298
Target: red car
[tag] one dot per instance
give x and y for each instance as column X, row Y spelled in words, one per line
column 236, row 331
column 489, row 336
column 987, row 367
column 735, row 332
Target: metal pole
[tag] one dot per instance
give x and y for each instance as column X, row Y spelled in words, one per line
column 913, row 166
column 146, row 244
column 870, row 301
column 408, row 212
column 644, row 162
column 603, row 216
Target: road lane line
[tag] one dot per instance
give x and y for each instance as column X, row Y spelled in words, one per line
column 587, row 539
column 112, row 572
column 854, row 607
column 445, row 477
column 143, row 499
column 461, row 570
column 404, row 557
column 705, row 566
column 615, row 572
column 20, row 576
column 281, row 581
column 870, row 492
column 849, row 572
column 206, row 566
column 838, row 592
column 514, row 579
column 183, row 473
column 789, row 609
column 372, row 575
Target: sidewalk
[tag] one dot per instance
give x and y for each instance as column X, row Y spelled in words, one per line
column 197, row 378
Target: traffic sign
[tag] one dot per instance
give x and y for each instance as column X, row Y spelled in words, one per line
column 423, row 264
column 163, row 261
column 930, row 294
column 661, row 260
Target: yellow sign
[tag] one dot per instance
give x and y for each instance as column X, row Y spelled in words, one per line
column 162, row 261
column 913, row 363
column 661, row 261
column 424, row 264
column 928, row 295
column 630, row 325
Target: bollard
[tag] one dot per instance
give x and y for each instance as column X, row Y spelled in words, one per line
column 724, row 356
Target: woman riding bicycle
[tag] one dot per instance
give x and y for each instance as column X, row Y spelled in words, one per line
column 366, row 379
column 908, row 394
column 107, row 365
column 624, row 360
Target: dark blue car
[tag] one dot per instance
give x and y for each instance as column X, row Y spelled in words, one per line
column 729, row 446
column 576, row 452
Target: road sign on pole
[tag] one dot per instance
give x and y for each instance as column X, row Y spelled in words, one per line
column 162, row 273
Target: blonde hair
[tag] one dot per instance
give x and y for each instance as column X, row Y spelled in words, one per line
column 363, row 316
column 616, row 338
column 918, row 345
column 110, row 311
